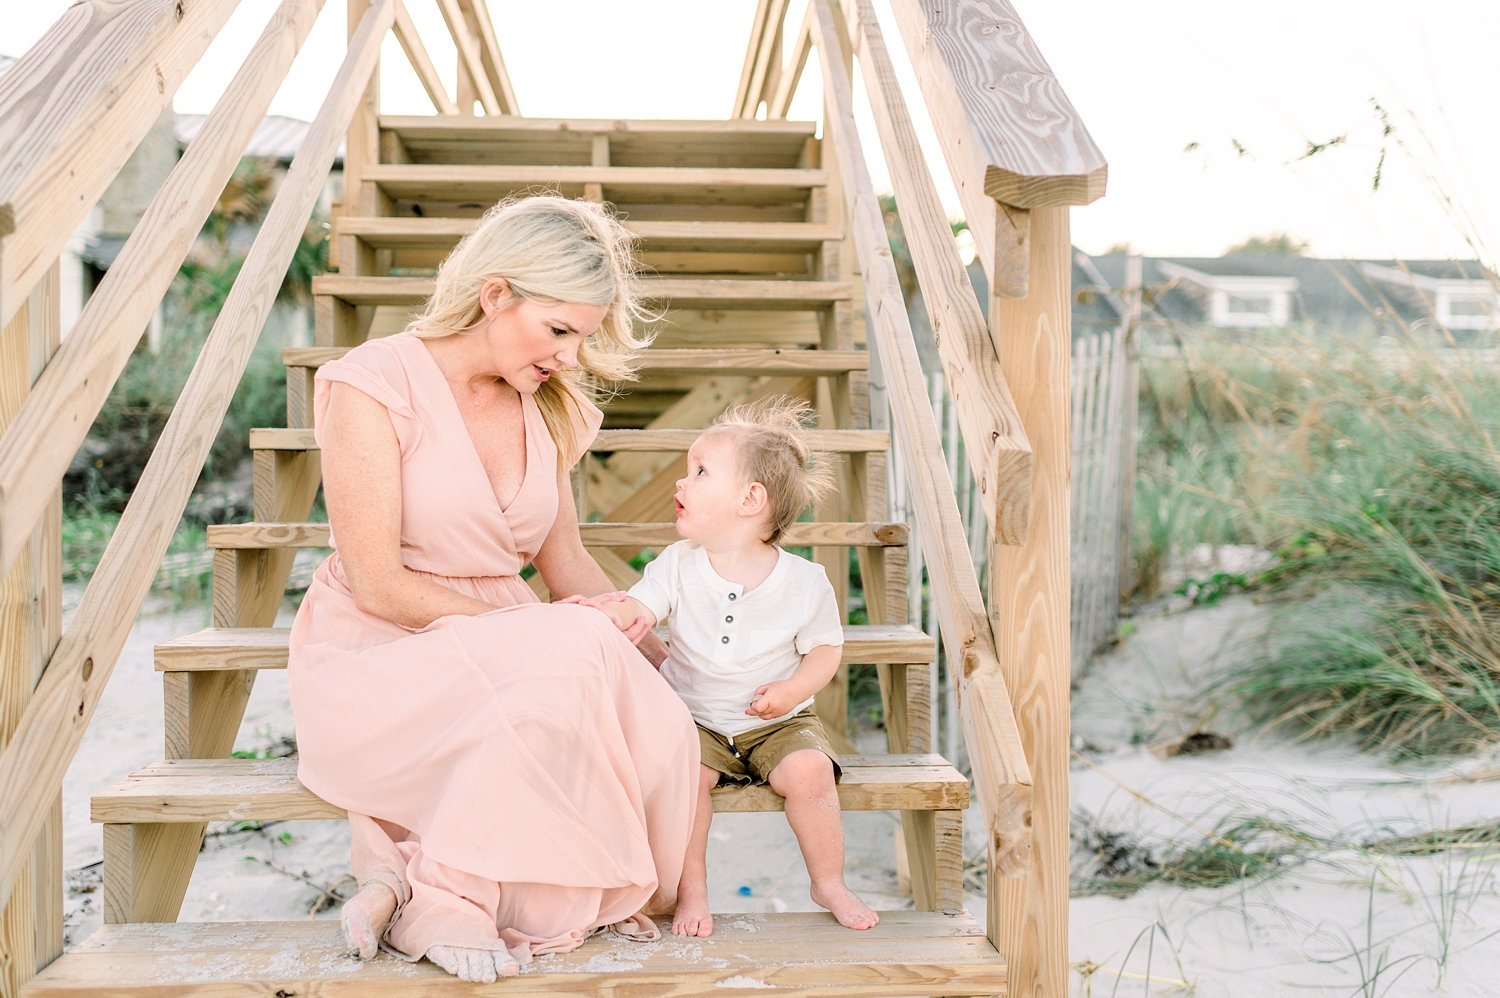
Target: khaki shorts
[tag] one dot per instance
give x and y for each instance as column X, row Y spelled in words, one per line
column 750, row 756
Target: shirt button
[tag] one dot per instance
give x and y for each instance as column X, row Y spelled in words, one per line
column 729, row 619
column 731, row 595
column 724, row 640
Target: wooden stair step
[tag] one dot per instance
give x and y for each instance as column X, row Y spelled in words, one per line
column 300, row 438
column 260, row 536
column 411, row 292
column 635, row 184
column 773, row 361
column 741, row 237
column 189, row 790
column 792, row 953
column 510, row 140
column 232, row 648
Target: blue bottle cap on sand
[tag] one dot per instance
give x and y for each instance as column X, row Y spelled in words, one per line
column 745, row 890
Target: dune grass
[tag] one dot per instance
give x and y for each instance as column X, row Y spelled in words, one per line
column 1374, row 476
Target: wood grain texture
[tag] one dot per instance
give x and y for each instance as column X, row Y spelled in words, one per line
column 37, row 447
column 795, row 953
column 74, row 107
column 1029, row 607
column 987, row 416
column 982, row 74
column 421, row 62
column 33, row 766
column 243, row 648
column 185, row 791
column 477, row 18
column 1001, row 772
column 677, row 292
column 471, row 67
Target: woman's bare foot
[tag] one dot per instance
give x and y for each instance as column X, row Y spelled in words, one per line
column 692, row 917
column 851, row 912
column 365, row 917
column 478, row 966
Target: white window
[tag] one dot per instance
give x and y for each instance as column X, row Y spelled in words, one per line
column 1467, row 308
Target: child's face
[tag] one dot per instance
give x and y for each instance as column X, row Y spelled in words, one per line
column 709, row 497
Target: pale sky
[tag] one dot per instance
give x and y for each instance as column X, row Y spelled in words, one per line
column 1201, row 108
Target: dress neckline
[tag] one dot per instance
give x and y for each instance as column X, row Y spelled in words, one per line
column 527, row 457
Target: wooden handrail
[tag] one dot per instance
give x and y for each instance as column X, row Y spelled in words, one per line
column 56, row 417
column 999, row 453
column 469, row 62
column 791, row 75
column 477, row 17
column 421, row 62
column 762, row 58
column 33, row 765
column 1007, row 131
column 1001, row 775
column 73, row 108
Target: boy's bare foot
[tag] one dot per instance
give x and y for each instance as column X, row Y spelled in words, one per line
column 365, row 917
column 851, row 912
column 478, row 966
column 692, row 917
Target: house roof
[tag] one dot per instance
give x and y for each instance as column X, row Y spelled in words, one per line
column 278, row 137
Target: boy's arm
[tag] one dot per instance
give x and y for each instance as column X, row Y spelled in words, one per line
column 772, row 700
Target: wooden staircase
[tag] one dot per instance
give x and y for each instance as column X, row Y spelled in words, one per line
column 735, row 221
column 768, row 255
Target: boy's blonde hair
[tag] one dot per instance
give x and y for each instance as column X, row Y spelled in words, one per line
column 770, row 453
column 550, row 249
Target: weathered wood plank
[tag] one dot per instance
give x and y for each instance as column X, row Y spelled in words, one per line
column 1006, row 129
column 679, row 292
column 679, row 361
column 795, row 953
column 663, row 184
column 1028, row 598
column 73, row 108
column 822, row 441
column 442, row 233
column 272, row 534
column 239, row 648
column 421, row 62
column 184, row 791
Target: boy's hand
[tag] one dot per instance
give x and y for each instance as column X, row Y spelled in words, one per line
column 775, row 699
column 628, row 614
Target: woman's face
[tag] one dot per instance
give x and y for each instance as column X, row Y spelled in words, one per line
column 531, row 340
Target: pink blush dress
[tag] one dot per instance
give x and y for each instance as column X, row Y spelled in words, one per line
column 518, row 778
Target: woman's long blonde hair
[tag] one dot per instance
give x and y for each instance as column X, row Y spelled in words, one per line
column 550, row 249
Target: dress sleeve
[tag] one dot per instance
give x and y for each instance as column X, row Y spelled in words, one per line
column 375, row 369
column 587, row 418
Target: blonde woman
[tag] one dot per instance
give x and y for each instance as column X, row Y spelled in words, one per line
column 516, row 773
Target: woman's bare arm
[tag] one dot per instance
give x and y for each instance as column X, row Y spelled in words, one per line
column 362, row 487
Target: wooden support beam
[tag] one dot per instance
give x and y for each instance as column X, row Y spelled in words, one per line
column 55, row 418
column 1028, row 599
column 31, row 924
column 471, row 66
column 421, row 62
column 786, row 85
column 73, row 109
column 34, row 764
column 482, row 29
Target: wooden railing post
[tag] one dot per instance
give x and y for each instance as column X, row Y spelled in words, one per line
column 1028, row 603
column 31, row 930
